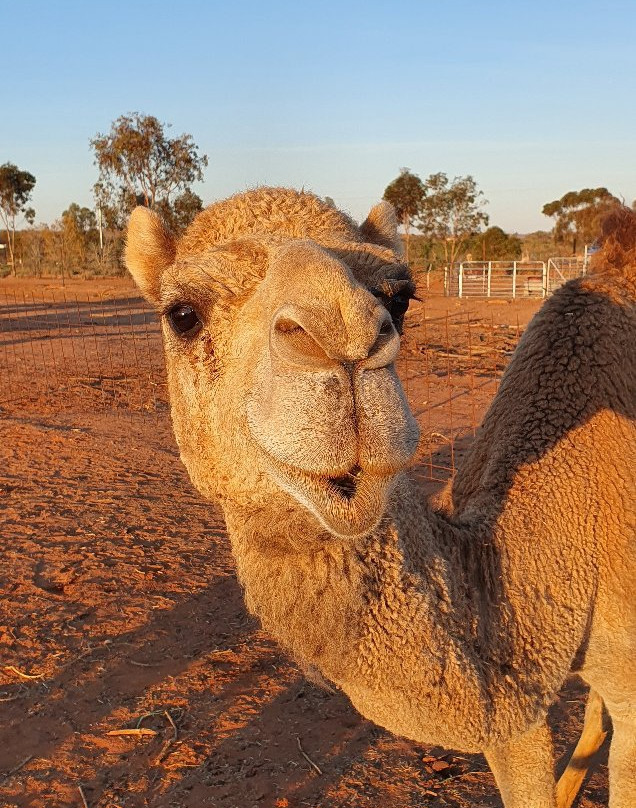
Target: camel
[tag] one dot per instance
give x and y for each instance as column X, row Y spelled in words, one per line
column 454, row 624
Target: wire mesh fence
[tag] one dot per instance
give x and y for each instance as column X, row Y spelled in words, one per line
column 80, row 350
column 451, row 366
column 96, row 350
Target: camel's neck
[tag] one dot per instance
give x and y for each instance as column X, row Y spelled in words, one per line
column 412, row 622
column 304, row 585
column 393, row 611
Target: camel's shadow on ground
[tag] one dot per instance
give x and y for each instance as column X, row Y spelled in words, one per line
column 248, row 728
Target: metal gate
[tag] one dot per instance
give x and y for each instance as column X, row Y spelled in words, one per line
column 510, row 279
column 561, row 270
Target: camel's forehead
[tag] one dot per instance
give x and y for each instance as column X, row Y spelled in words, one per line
column 233, row 242
column 234, row 269
column 280, row 212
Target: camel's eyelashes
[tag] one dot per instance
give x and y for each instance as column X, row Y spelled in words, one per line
column 397, row 305
column 184, row 320
column 396, row 301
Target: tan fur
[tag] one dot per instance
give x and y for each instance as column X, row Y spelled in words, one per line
column 380, row 226
column 455, row 626
column 149, row 251
column 292, row 214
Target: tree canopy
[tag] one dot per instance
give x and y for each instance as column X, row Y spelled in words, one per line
column 15, row 192
column 495, row 244
column 139, row 164
column 451, row 212
column 446, row 212
column 181, row 211
column 83, row 219
column 78, row 229
column 578, row 215
column 406, row 194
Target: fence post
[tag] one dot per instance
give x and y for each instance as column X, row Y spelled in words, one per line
column 546, row 271
column 460, row 280
column 514, row 279
column 489, row 278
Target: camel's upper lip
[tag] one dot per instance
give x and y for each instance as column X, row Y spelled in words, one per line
column 345, row 487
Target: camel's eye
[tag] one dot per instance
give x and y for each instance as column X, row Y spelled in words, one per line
column 397, row 306
column 184, row 320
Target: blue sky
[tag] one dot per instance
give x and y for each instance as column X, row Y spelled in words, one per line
column 532, row 99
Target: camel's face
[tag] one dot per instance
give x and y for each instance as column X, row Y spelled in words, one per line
column 285, row 386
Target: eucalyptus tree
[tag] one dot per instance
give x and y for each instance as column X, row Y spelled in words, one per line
column 578, row 215
column 451, row 212
column 16, row 187
column 139, row 164
column 406, row 194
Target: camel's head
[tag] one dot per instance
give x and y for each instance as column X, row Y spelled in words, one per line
column 281, row 322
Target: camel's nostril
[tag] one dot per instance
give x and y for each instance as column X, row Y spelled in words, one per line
column 293, row 340
column 288, row 326
column 301, row 336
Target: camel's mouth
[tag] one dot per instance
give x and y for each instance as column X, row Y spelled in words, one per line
column 345, row 486
column 348, row 505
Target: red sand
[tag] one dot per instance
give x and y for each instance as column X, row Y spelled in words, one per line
column 121, row 609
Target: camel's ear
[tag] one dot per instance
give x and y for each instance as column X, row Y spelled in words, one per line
column 150, row 249
column 380, row 227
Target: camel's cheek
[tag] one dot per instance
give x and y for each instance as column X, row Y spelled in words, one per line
column 191, row 396
column 208, row 389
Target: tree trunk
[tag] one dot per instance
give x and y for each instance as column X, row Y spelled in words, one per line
column 11, row 245
column 407, row 233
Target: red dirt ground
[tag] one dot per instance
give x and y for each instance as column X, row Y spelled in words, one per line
column 121, row 609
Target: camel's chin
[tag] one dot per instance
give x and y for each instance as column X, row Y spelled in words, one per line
column 348, row 506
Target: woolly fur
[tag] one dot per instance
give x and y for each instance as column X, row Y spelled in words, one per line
column 453, row 626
